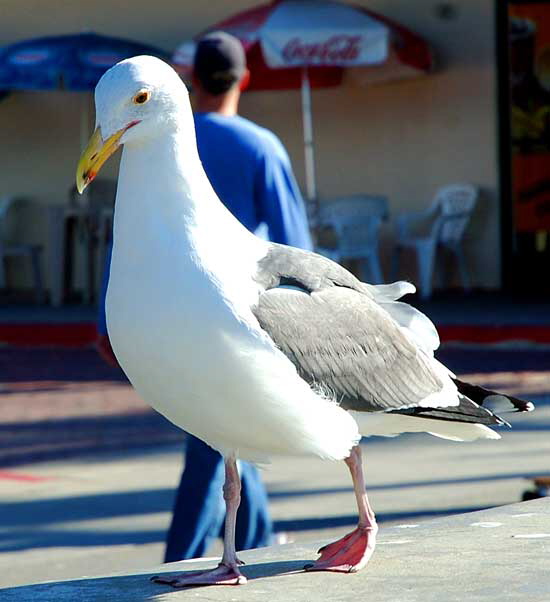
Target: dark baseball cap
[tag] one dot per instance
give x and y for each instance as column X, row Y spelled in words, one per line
column 219, row 61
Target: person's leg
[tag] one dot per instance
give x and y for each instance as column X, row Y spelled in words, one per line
column 199, row 508
column 254, row 528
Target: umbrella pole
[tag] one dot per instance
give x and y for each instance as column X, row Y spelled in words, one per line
column 311, row 190
column 84, row 120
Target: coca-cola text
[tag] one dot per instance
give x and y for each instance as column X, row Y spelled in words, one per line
column 337, row 49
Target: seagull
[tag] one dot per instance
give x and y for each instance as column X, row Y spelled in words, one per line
column 259, row 349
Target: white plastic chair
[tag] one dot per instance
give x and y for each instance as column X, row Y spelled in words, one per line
column 445, row 222
column 356, row 221
column 8, row 248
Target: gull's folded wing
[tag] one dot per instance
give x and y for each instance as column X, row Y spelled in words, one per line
column 341, row 339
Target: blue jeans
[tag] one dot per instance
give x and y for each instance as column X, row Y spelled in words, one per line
column 199, row 509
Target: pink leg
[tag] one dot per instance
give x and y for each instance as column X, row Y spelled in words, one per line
column 227, row 572
column 351, row 553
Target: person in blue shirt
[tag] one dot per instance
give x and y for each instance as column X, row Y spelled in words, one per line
column 251, row 173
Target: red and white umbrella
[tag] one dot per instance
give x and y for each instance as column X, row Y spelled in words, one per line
column 306, row 44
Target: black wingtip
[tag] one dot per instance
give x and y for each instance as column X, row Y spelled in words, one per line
column 467, row 411
column 496, row 402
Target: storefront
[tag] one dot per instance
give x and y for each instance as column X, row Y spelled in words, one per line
column 402, row 140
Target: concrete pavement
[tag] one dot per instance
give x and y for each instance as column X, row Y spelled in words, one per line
column 498, row 554
column 88, row 482
column 109, row 512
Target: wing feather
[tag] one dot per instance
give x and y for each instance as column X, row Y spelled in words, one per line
column 341, row 339
column 360, row 345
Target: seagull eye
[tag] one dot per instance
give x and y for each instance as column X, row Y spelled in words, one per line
column 142, row 97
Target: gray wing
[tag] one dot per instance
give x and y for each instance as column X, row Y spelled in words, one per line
column 337, row 335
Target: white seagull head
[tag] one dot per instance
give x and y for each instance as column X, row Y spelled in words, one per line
column 137, row 99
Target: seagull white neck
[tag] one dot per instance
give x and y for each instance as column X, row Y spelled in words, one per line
column 164, row 192
column 162, row 175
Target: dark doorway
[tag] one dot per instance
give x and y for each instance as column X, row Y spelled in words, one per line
column 524, row 93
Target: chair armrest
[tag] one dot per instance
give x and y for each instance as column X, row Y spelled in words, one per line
column 405, row 220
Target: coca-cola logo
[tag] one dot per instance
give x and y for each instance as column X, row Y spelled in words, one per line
column 336, row 50
column 30, row 57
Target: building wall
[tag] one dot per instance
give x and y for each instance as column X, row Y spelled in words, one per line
column 402, row 139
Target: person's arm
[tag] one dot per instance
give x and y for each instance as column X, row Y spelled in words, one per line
column 278, row 199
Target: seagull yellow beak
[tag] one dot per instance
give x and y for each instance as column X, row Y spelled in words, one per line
column 94, row 156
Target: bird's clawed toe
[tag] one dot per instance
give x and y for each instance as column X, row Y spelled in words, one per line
column 221, row 575
column 347, row 555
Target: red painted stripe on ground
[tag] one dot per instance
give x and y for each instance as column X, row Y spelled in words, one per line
column 494, row 334
column 74, row 334
column 18, row 476
column 82, row 334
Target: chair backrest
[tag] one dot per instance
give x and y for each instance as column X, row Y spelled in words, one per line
column 456, row 204
column 8, row 218
column 357, row 235
column 356, row 221
column 355, row 205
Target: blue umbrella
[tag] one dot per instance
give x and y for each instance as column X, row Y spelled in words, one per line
column 66, row 62
column 73, row 62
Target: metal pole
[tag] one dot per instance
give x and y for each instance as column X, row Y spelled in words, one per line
column 311, row 190
column 84, row 119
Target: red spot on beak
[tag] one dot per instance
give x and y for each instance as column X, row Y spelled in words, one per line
column 132, row 124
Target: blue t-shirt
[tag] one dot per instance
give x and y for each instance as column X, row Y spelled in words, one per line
column 250, row 171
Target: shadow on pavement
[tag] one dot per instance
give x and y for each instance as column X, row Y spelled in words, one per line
column 48, row 537
column 55, row 364
column 134, row 588
column 47, row 523
column 45, row 440
column 152, row 501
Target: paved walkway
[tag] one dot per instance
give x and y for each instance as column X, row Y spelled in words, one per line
column 62, row 402
column 87, row 475
column 499, row 554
